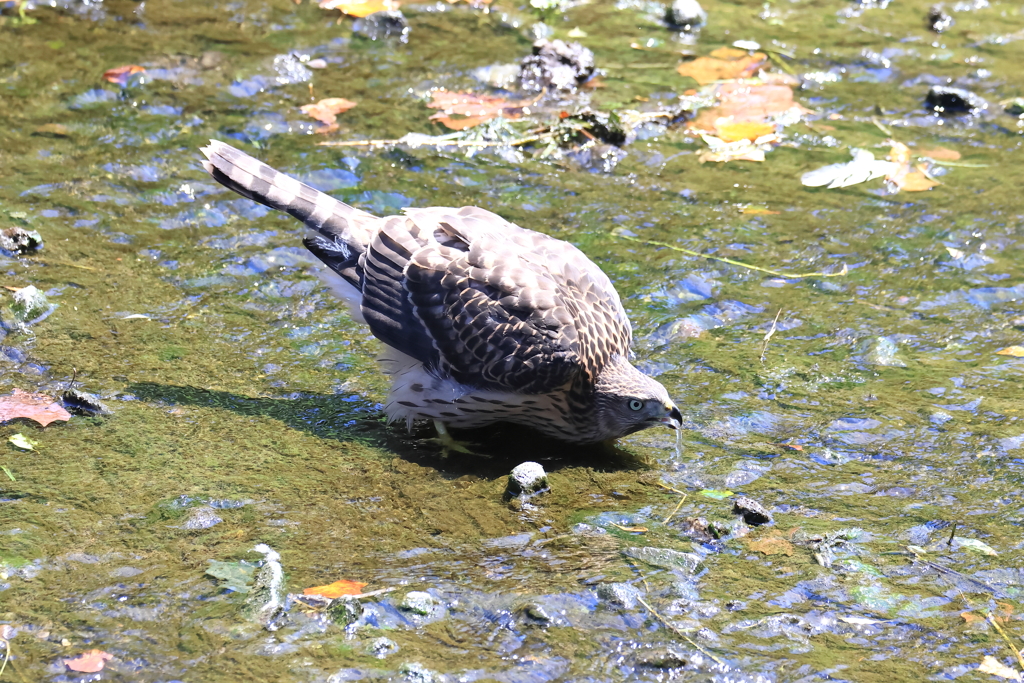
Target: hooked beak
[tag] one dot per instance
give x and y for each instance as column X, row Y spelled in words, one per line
column 674, row 419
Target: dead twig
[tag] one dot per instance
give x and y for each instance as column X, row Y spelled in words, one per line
column 768, row 336
column 1000, row 631
column 679, row 633
column 675, row 509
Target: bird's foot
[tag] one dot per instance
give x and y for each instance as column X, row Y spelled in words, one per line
column 448, row 442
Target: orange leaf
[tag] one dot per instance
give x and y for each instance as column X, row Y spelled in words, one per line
column 771, row 545
column 971, row 617
column 337, row 589
column 326, row 111
column 38, row 407
column 792, row 446
column 89, row 662
column 743, row 130
column 1015, row 351
column 359, row 8
column 706, row 70
column 939, row 154
column 121, row 74
column 475, row 108
column 741, row 103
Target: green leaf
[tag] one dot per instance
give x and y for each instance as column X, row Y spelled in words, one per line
column 716, row 494
column 7, row 472
column 235, row 575
column 21, row 441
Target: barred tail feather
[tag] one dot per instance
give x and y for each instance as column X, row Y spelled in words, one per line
column 343, row 231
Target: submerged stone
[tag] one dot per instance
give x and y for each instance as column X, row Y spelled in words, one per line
column 202, row 517
column 753, row 512
column 417, row 673
column 29, row 303
column 382, row 647
column 557, row 65
column 527, row 479
column 946, row 100
column 388, row 24
column 880, row 351
column 18, row 241
column 87, row 405
column 686, row 15
column 420, row 602
column 624, row 595
column 665, row 558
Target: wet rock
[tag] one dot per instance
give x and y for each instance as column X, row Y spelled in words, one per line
column 623, row 595
column 382, row 647
column 265, row 602
column 753, row 513
column 661, row 658
column 1015, row 107
column 686, row 15
column 946, row 100
column 533, row 613
column 665, row 558
column 87, row 405
column 388, row 24
column 557, row 65
column 527, row 479
column 697, row 529
column 344, row 612
column 420, row 602
column 880, row 351
column 18, row 241
column 607, row 128
column 938, row 20
column 417, row 673
column 29, row 303
column 202, row 517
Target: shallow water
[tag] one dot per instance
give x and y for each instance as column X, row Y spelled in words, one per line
column 879, row 418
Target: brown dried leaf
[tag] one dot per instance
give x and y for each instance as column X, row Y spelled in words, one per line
column 741, row 103
column 939, row 154
column 38, row 407
column 89, row 662
column 774, row 544
column 326, row 111
column 1015, row 351
column 906, row 178
column 724, row 64
column 475, row 109
column 971, row 618
column 121, row 74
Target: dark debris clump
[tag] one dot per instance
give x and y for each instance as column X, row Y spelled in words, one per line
column 18, row 241
column 556, row 65
column 946, row 100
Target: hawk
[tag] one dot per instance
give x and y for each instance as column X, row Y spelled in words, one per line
column 482, row 321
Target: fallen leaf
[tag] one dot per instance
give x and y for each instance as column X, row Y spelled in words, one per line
column 741, row 103
column 971, row 618
column 743, row 130
column 21, row 441
column 89, row 662
column 792, row 446
column 235, row 576
column 337, row 589
column 904, row 177
column 36, row 407
column 326, row 111
column 742, row 150
column 916, row 180
column 715, row 493
column 1004, row 613
column 475, row 109
column 771, row 545
column 939, row 154
column 991, row 665
column 863, row 167
column 120, row 75
column 359, row 8
column 722, row 65
column 976, row 545
column 758, row 211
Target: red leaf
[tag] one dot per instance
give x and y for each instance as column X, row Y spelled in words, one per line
column 38, row 407
column 337, row 589
column 475, row 108
column 121, row 74
column 89, row 662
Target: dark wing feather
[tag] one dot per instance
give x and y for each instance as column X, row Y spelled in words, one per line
column 488, row 303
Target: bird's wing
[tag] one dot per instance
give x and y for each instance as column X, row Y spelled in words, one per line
column 491, row 305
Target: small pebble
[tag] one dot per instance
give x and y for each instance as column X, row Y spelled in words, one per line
column 686, row 15
column 946, row 100
column 527, row 479
column 419, row 602
column 753, row 513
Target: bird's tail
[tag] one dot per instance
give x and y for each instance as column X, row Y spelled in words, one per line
column 343, row 232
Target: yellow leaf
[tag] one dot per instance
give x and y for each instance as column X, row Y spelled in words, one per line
column 991, row 665
column 337, row 589
column 744, row 130
column 359, row 8
column 706, row 70
column 1015, row 351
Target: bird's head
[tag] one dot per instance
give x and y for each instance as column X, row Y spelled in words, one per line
column 626, row 401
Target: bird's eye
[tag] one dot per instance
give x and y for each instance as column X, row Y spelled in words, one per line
column 635, row 404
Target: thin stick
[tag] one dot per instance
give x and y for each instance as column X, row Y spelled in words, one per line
column 881, row 126
column 679, row 633
column 777, row 273
column 676, row 509
column 368, row 595
column 439, row 143
column 999, row 629
column 669, row 488
column 951, row 535
column 7, row 654
column 768, row 336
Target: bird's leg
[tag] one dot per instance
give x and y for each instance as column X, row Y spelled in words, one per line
column 448, row 442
